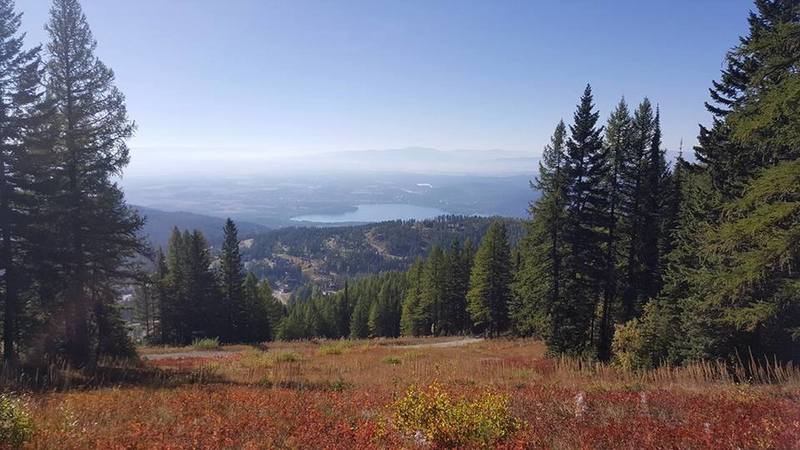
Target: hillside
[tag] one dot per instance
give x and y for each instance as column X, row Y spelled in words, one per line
column 159, row 224
column 289, row 257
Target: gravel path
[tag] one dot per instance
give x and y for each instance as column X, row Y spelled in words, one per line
column 447, row 344
column 222, row 353
column 194, row 354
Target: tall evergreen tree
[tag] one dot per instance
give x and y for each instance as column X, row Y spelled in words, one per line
column 490, row 281
column 414, row 319
column 585, row 170
column 90, row 125
column 202, row 291
column 618, row 141
column 20, row 115
column 729, row 160
column 654, row 192
column 539, row 278
column 233, row 307
column 633, row 208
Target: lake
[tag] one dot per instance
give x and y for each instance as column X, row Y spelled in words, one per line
column 379, row 212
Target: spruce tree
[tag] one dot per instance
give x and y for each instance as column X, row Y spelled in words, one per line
column 90, row 126
column 20, row 115
column 585, row 170
column 539, row 279
column 276, row 310
column 618, row 141
column 202, row 291
column 654, row 192
column 633, row 208
column 434, row 291
column 490, row 280
column 414, row 320
column 234, row 311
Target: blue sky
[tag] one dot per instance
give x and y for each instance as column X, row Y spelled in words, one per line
column 272, row 77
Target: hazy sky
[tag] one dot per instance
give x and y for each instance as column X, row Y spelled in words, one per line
column 290, row 76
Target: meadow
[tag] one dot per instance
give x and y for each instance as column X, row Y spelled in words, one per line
column 410, row 393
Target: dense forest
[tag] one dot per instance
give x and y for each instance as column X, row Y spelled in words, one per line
column 626, row 256
column 291, row 257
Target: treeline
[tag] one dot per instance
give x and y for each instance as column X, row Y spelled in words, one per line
column 191, row 296
column 665, row 266
column 455, row 290
column 67, row 238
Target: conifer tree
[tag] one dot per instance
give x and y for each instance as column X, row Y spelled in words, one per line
column 633, row 207
column 202, row 291
column 585, row 170
column 618, row 141
column 276, row 310
column 490, row 280
column 235, row 312
column 20, row 115
column 654, row 191
column 359, row 321
column 414, row 321
column 539, row 279
column 434, row 291
column 255, row 325
column 90, row 126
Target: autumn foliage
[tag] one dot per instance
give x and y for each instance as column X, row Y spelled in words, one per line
column 497, row 394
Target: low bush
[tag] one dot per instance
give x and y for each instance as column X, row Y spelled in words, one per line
column 206, row 344
column 287, row 357
column 431, row 414
column 16, row 425
column 335, row 348
column 393, row 360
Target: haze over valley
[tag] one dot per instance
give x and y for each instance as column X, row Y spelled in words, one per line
column 413, row 183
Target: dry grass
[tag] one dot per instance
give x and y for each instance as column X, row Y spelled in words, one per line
column 325, row 394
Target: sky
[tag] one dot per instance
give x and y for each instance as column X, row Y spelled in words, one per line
column 238, row 79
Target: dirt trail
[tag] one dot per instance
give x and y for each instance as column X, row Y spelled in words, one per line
column 223, row 353
column 447, row 344
column 190, row 354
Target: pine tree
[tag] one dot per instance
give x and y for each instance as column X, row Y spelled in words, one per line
column 414, row 320
column 729, row 160
column 633, row 208
column 232, row 279
column 539, row 278
column 276, row 310
column 90, row 125
column 618, row 141
column 359, row 321
column 654, row 191
column 173, row 298
column 20, row 115
column 585, row 170
column 202, row 291
column 490, row 280
column 257, row 304
column 434, row 291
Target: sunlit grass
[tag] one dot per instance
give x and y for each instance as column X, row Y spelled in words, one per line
column 339, row 394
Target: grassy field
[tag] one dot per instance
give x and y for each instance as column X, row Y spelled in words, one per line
column 359, row 394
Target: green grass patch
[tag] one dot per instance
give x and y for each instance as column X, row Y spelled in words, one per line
column 206, row 344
